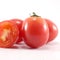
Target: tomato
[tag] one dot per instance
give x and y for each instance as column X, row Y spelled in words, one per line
column 53, row 30
column 19, row 23
column 8, row 34
column 36, row 32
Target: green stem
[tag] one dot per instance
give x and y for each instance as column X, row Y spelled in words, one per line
column 34, row 15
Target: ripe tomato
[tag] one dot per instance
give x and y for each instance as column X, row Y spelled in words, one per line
column 36, row 32
column 53, row 30
column 8, row 34
column 19, row 23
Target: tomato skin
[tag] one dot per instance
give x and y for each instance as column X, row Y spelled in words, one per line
column 19, row 23
column 53, row 30
column 36, row 32
column 8, row 34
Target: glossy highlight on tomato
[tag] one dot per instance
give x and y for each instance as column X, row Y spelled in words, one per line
column 53, row 30
column 36, row 32
column 19, row 23
column 8, row 34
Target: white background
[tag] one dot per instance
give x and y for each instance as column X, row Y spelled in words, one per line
column 21, row 9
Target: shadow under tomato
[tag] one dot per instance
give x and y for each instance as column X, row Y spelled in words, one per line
column 51, row 46
column 13, row 47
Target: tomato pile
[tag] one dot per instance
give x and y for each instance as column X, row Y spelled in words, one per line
column 35, row 31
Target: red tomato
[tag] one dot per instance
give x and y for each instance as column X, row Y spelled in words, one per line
column 19, row 23
column 8, row 34
column 36, row 32
column 53, row 30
